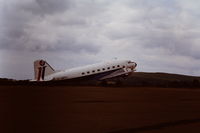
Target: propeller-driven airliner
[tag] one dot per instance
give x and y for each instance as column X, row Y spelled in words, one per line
column 100, row 71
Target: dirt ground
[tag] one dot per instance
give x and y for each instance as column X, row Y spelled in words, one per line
column 64, row 109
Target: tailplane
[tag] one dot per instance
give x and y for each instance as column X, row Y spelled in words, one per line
column 42, row 69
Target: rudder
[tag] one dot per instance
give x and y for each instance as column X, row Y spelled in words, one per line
column 42, row 69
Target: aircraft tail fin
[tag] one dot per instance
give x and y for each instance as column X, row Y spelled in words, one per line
column 42, row 69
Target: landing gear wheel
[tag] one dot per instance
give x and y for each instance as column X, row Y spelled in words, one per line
column 104, row 83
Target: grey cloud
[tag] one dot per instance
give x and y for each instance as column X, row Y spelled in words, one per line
column 46, row 7
column 160, row 35
column 63, row 45
column 52, row 6
column 72, row 21
column 24, row 21
column 161, row 24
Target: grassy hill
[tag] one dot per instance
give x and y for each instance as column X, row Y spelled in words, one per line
column 162, row 79
column 142, row 79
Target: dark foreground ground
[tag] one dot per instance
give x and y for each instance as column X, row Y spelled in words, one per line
column 64, row 109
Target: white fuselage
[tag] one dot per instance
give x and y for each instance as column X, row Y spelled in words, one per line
column 125, row 67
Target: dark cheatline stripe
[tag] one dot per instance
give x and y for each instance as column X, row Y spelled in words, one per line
column 49, row 66
column 101, row 75
column 43, row 72
column 39, row 73
column 96, row 76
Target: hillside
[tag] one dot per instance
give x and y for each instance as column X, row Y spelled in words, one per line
column 137, row 79
column 162, row 79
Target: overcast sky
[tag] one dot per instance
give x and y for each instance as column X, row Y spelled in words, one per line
column 160, row 35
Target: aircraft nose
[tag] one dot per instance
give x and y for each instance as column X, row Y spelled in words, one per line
column 132, row 65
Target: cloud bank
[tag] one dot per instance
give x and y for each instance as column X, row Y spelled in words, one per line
column 160, row 35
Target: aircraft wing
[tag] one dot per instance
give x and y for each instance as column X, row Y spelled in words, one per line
column 116, row 73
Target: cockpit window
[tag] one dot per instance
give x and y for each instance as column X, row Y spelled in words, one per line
column 130, row 62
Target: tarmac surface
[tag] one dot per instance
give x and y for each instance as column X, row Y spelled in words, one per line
column 64, row 109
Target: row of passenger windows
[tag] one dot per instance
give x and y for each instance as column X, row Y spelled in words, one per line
column 98, row 70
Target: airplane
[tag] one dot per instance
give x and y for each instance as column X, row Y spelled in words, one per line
column 100, row 71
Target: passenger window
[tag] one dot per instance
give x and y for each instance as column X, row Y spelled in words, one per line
column 118, row 65
column 83, row 73
column 88, row 72
column 103, row 69
column 123, row 66
column 113, row 67
column 108, row 68
column 93, row 71
column 98, row 69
